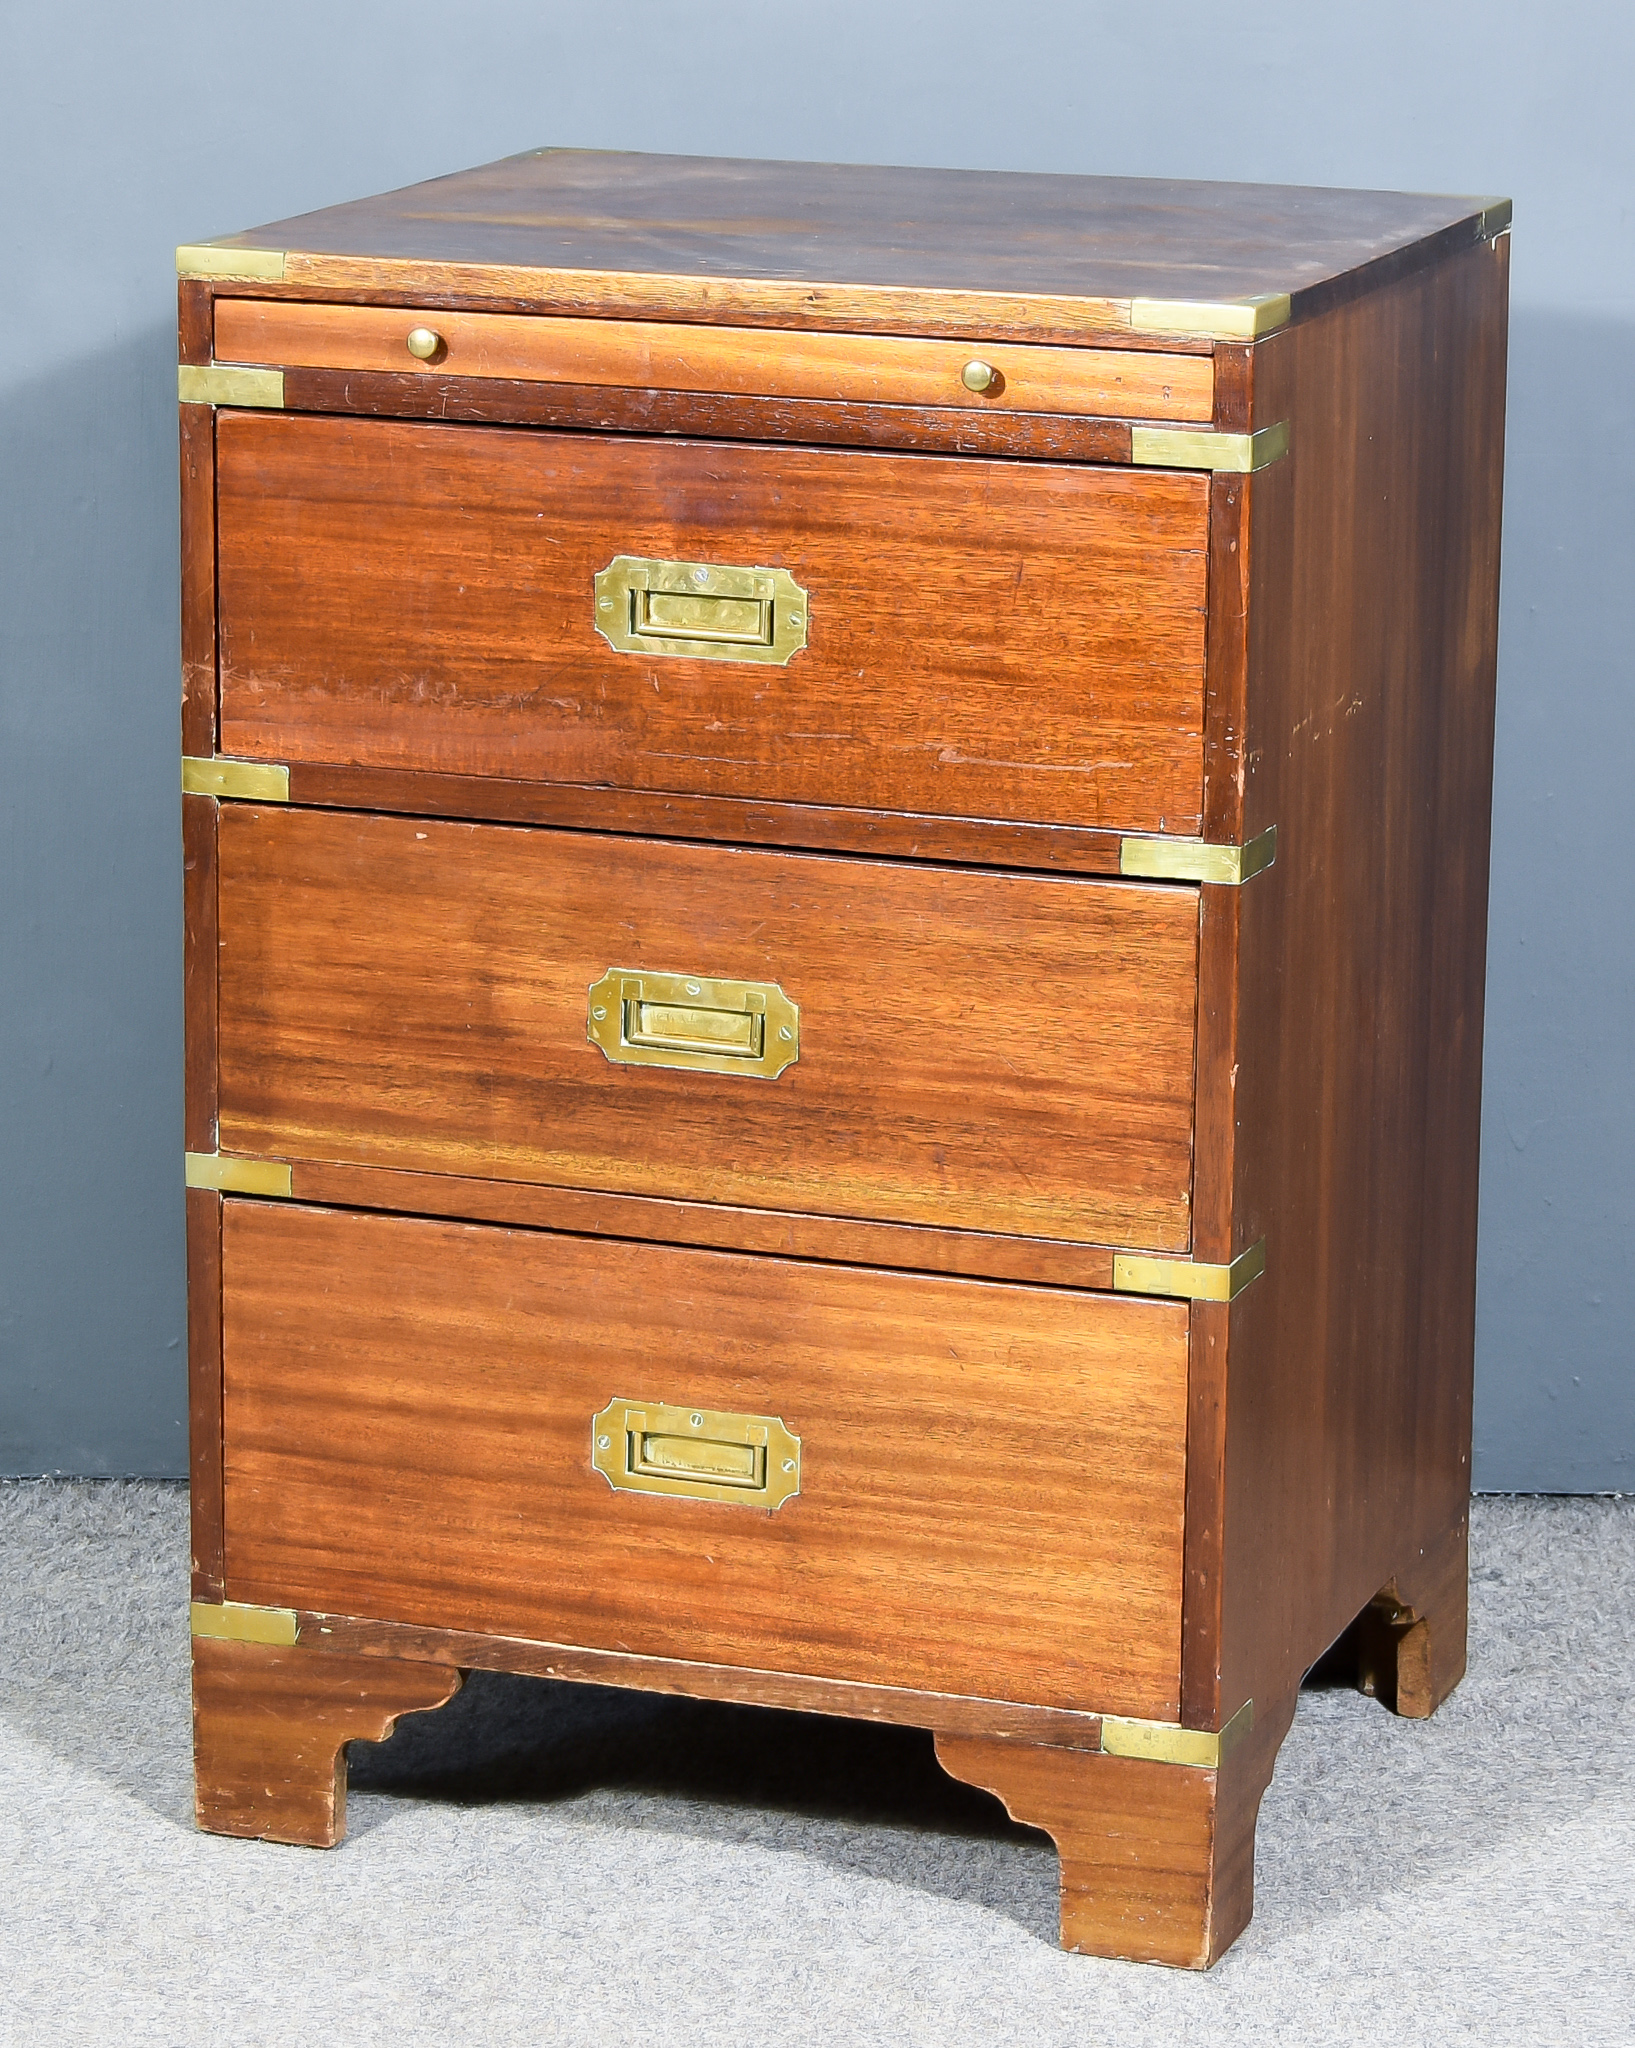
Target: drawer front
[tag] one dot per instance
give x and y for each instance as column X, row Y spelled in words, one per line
column 990, row 1478
column 991, row 1052
column 654, row 355
column 983, row 639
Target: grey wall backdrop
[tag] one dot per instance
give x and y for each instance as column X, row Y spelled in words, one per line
column 125, row 130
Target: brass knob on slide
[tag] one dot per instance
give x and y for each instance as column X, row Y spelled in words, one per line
column 424, row 342
column 979, row 376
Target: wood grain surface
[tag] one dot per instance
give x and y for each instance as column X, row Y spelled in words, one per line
column 987, row 1052
column 198, row 546
column 199, row 956
column 203, row 1208
column 892, row 1705
column 991, row 1477
column 270, row 1729
column 654, row 355
column 971, row 253
column 724, row 1226
column 1410, row 1654
column 986, row 640
column 1157, row 1860
column 1341, row 1015
column 902, row 835
column 610, row 408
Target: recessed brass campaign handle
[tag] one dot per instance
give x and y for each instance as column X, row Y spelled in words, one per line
column 700, row 609
column 639, row 1019
column 749, row 1461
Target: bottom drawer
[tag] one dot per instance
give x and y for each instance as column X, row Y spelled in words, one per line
column 991, row 1478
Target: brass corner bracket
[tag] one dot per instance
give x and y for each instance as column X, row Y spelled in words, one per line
column 262, row 782
column 1194, row 860
column 230, row 1176
column 1161, row 1742
column 233, row 1621
column 1493, row 220
column 1188, row 448
column 1135, row 1273
column 205, row 259
column 1215, row 319
column 229, row 384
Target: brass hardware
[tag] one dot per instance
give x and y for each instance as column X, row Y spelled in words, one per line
column 232, row 1621
column 237, row 1176
column 424, row 343
column 700, row 610
column 1141, row 1275
column 1161, row 1742
column 1221, row 320
column 1192, row 860
column 229, row 384
column 748, row 1461
column 978, row 376
column 1493, row 220
column 262, row 782
column 640, row 1019
column 200, row 259
column 1183, row 448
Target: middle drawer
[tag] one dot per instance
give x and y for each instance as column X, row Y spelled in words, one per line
column 984, row 1051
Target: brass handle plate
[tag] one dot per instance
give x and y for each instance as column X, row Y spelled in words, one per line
column 693, row 1021
column 749, row 1461
column 701, row 610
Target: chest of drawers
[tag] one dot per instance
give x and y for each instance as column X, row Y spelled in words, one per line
column 836, row 835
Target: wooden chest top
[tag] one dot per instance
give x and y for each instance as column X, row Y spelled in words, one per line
column 1016, row 254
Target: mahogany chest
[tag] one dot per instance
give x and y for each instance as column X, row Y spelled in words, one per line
column 836, row 833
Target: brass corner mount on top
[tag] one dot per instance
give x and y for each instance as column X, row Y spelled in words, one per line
column 208, row 259
column 1212, row 319
column 262, row 782
column 239, row 1621
column 1156, row 859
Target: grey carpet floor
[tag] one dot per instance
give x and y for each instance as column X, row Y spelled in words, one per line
column 540, row 1863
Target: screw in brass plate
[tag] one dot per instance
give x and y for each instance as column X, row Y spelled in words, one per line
column 424, row 343
column 979, row 376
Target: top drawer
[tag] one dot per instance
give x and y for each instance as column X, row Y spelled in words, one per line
column 982, row 639
column 750, row 362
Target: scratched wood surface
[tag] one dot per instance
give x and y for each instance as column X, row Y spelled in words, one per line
column 656, row 355
column 204, row 1388
column 986, row 639
column 857, row 246
column 711, row 415
column 1341, row 1005
column 724, row 1226
column 978, row 1051
column 1063, row 1727
column 991, row 1477
column 734, row 821
column 270, row 1729
column 1157, row 1859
